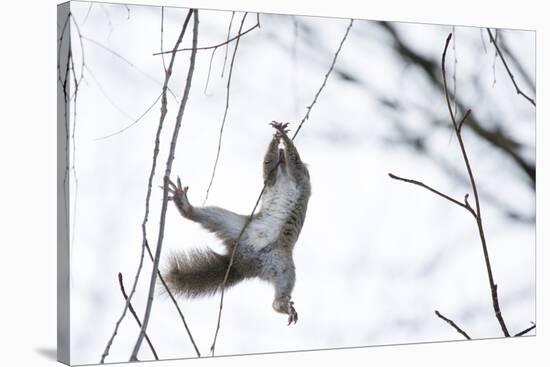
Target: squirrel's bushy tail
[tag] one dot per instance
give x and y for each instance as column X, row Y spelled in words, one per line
column 199, row 273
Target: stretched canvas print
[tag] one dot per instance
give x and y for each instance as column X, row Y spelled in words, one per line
column 233, row 182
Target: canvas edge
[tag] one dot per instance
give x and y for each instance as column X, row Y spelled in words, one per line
column 63, row 212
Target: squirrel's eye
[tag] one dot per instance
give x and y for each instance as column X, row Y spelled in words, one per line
column 267, row 162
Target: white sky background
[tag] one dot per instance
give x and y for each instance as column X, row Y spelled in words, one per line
column 376, row 257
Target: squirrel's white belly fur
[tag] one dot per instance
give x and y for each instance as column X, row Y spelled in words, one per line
column 278, row 201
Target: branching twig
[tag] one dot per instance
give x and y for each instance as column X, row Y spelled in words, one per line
column 239, row 35
column 477, row 211
column 452, row 323
column 308, row 108
column 464, row 205
column 133, row 312
column 149, row 185
column 492, row 284
column 518, row 91
column 228, row 86
column 167, row 172
column 249, row 219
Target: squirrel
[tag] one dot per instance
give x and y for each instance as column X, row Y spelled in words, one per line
column 264, row 249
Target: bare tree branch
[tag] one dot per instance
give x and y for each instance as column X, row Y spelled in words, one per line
column 167, row 172
column 308, row 108
column 239, row 35
column 162, row 36
column 133, row 122
column 131, row 64
column 131, row 308
column 209, row 70
column 479, row 223
column 249, row 219
column 149, row 185
column 518, row 91
column 228, row 86
column 227, row 44
column 421, row 184
column 174, row 301
column 452, row 323
column 526, row 330
column 494, row 135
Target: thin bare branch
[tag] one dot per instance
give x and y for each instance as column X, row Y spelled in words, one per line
column 149, row 185
column 526, row 330
column 131, row 64
column 238, row 36
column 133, row 122
column 162, row 37
column 249, row 219
column 133, row 312
column 510, row 56
column 174, row 301
column 518, row 91
column 87, row 13
column 479, row 222
column 452, row 323
column 464, row 118
column 209, row 70
column 308, row 108
column 107, row 96
column 421, row 184
column 228, row 87
column 227, row 44
column 167, row 172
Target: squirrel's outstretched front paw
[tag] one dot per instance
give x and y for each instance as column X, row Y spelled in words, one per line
column 285, row 305
column 179, row 196
column 282, row 128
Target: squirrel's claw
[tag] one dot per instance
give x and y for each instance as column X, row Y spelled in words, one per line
column 293, row 315
column 282, row 128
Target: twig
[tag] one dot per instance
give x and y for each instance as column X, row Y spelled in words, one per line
column 168, row 170
column 162, row 36
column 239, row 35
column 87, row 13
column 106, row 95
column 519, row 67
column 134, row 122
column 131, row 64
column 492, row 284
column 227, row 44
column 452, row 323
column 131, row 308
column 308, row 108
column 518, row 91
column 464, row 205
column 249, row 219
column 209, row 70
column 526, row 330
column 228, row 86
column 149, row 185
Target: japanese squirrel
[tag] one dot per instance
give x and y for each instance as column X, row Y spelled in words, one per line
column 265, row 247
